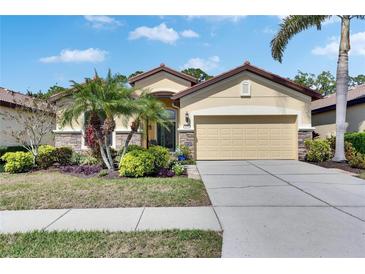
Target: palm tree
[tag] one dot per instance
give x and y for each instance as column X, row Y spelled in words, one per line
column 294, row 24
column 100, row 98
column 148, row 109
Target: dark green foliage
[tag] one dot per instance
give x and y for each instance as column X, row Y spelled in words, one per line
column 197, row 73
column 161, row 155
column 63, row 155
column 135, row 73
column 357, row 139
column 325, row 82
column 45, row 95
column 46, row 156
column 4, row 149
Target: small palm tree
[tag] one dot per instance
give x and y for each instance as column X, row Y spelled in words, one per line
column 294, row 24
column 99, row 98
column 148, row 109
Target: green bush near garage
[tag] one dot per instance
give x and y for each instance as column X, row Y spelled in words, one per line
column 357, row 139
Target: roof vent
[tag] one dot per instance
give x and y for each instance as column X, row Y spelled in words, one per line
column 245, row 88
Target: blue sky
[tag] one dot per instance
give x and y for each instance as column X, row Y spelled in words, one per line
column 40, row 51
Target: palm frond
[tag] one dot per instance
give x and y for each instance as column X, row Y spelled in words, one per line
column 290, row 26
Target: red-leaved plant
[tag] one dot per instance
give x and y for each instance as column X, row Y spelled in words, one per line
column 91, row 141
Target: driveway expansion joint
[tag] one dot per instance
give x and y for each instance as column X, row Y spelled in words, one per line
column 300, row 189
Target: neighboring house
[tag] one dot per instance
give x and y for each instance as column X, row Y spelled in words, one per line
column 245, row 113
column 324, row 112
column 12, row 104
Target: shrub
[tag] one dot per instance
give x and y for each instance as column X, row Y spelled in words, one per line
column 357, row 139
column 178, row 169
column 318, row 150
column 161, row 155
column 88, row 160
column 17, row 162
column 358, row 161
column 349, row 148
column 137, row 163
column 4, row 149
column 350, row 151
column 75, row 158
column 165, row 172
column 46, row 156
column 63, row 155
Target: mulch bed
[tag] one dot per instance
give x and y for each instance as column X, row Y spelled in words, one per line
column 344, row 166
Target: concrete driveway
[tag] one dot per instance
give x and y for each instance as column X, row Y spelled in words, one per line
column 278, row 208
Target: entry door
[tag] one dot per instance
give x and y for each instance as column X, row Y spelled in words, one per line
column 166, row 136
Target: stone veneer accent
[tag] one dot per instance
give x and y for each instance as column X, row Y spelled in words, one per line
column 302, row 136
column 68, row 139
column 120, row 138
column 187, row 138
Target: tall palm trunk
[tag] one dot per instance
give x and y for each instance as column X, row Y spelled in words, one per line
column 134, row 129
column 341, row 89
column 108, row 128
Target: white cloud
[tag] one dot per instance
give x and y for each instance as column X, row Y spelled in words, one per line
column 204, row 64
column 189, row 34
column 218, row 18
column 90, row 55
column 161, row 33
column 101, row 21
column 357, row 42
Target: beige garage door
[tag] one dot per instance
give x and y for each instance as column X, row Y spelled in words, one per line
column 246, row 137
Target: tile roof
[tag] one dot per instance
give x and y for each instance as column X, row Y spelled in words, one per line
column 253, row 69
column 12, row 98
column 356, row 93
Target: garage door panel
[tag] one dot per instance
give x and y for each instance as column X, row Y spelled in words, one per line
column 246, row 137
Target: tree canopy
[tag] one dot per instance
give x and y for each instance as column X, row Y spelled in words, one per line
column 135, row 73
column 325, row 82
column 197, row 73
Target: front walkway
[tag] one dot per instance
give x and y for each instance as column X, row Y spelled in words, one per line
column 286, row 209
column 111, row 219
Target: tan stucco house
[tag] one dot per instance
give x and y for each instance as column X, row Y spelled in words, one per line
column 244, row 113
column 324, row 113
column 14, row 104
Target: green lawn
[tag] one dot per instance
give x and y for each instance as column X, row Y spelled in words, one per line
column 161, row 244
column 40, row 190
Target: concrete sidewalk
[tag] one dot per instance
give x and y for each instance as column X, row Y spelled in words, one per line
column 111, row 219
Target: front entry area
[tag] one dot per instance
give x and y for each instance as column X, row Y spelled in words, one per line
column 166, row 136
column 246, row 137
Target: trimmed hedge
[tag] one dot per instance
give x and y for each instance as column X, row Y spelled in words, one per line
column 4, row 149
column 318, row 150
column 17, row 162
column 161, row 155
column 357, row 139
column 137, row 163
